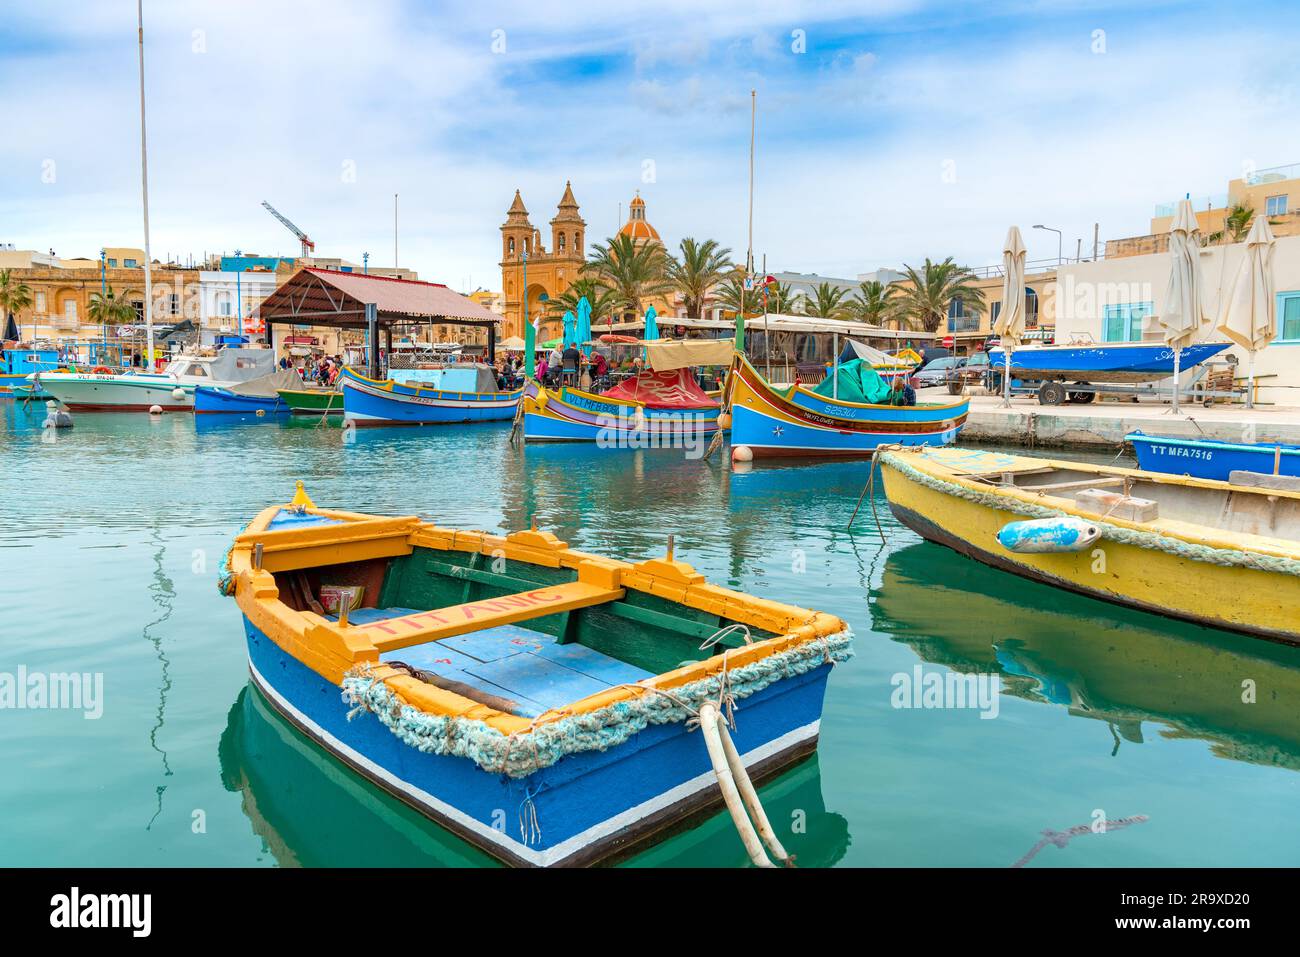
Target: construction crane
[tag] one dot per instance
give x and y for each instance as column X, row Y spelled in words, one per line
column 308, row 247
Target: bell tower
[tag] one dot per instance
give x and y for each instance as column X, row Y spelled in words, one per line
column 567, row 227
column 516, row 230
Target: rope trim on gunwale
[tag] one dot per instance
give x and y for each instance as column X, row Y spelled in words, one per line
column 1153, row 541
column 519, row 755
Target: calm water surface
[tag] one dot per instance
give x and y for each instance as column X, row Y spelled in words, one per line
column 112, row 534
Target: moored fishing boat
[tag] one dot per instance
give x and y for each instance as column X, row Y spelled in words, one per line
column 660, row 407
column 671, row 413
column 1183, row 547
column 313, row 401
column 259, row 396
column 771, row 422
column 510, row 680
column 20, row 370
column 464, row 392
column 1212, row 459
column 172, row 390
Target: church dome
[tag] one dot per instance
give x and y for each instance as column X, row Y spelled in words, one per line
column 636, row 226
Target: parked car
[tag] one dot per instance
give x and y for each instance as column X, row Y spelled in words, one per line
column 937, row 371
column 973, row 371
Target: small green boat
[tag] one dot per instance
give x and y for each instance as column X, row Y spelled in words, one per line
column 312, row 401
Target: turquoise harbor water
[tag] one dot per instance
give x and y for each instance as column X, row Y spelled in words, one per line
column 113, row 531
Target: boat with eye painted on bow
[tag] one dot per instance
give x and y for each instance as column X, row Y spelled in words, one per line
column 475, row 675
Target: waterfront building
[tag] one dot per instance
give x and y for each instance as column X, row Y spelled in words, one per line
column 228, row 303
column 1273, row 192
column 1120, row 299
column 62, row 290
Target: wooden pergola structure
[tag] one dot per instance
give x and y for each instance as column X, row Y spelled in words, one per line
column 375, row 304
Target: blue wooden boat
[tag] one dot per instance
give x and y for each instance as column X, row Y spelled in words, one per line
column 798, row 422
column 460, row 393
column 1212, row 459
column 215, row 399
column 1111, row 362
column 538, row 701
column 617, row 422
column 16, row 365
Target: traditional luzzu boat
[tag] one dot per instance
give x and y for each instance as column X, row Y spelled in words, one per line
column 313, row 401
column 650, row 410
column 771, row 422
column 1188, row 548
column 1212, row 459
column 539, row 701
column 463, row 392
column 661, row 407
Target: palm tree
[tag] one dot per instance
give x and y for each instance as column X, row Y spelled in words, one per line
column 107, row 310
column 15, row 296
column 702, row 267
column 732, row 292
column 602, row 301
column 827, row 302
column 630, row 270
column 874, row 302
column 924, row 295
column 780, row 297
column 1235, row 225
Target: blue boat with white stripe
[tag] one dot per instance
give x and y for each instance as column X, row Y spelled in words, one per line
column 1212, row 459
column 461, row 393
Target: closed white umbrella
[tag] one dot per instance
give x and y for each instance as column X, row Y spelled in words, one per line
column 1010, row 325
column 1249, row 313
column 1184, row 311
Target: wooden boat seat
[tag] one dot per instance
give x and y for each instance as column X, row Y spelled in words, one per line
column 1279, row 483
column 519, row 664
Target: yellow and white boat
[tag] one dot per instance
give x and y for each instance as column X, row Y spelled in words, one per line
column 1225, row 554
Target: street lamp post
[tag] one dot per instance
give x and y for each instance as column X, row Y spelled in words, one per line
column 1059, row 259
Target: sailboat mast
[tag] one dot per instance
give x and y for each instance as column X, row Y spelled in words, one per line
column 144, row 186
column 749, row 250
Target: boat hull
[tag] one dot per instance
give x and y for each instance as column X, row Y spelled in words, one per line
column 110, row 393
column 312, row 401
column 803, row 424
column 369, row 402
column 209, row 400
column 1208, row 459
column 1127, row 574
column 16, row 386
column 1105, row 363
column 569, row 416
column 589, row 806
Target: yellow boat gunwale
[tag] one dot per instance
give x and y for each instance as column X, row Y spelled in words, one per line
column 926, row 461
column 932, row 406
column 332, row 650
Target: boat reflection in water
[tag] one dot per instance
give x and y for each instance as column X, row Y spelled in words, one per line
column 311, row 811
column 1114, row 665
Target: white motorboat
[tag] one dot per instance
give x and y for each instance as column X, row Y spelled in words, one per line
column 172, row 390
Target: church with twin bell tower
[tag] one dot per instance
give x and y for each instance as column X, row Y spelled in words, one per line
column 550, row 272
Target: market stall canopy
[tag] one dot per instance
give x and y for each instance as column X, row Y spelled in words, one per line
column 327, row 297
column 675, row 389
column 513, row 344
column 665, row 355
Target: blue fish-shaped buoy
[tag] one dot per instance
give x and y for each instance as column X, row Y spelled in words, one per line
column 1061, row 534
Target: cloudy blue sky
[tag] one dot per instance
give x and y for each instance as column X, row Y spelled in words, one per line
column 887, row 131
